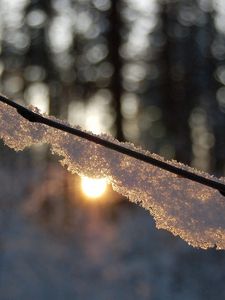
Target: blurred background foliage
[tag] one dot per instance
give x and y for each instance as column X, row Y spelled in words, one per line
column 149, row 72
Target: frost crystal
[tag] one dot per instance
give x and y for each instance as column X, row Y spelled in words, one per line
column 194, row 212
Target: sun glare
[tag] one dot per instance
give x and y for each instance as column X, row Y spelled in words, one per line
column 93, row 188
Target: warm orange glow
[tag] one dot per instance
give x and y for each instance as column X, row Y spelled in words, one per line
column 93, row 188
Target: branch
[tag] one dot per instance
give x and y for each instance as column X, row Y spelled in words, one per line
column 35, row 117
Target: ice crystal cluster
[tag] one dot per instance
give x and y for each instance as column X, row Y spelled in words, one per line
column 193, row 211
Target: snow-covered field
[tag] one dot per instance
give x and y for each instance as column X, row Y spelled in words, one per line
column 108, row 252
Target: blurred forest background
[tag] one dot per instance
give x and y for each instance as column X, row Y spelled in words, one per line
column 147, row 71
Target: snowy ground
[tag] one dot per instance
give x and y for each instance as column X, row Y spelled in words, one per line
column 107, row 253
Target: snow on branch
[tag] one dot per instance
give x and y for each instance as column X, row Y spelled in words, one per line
column 186, row 208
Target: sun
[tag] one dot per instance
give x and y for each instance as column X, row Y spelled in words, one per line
column 93, row 188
